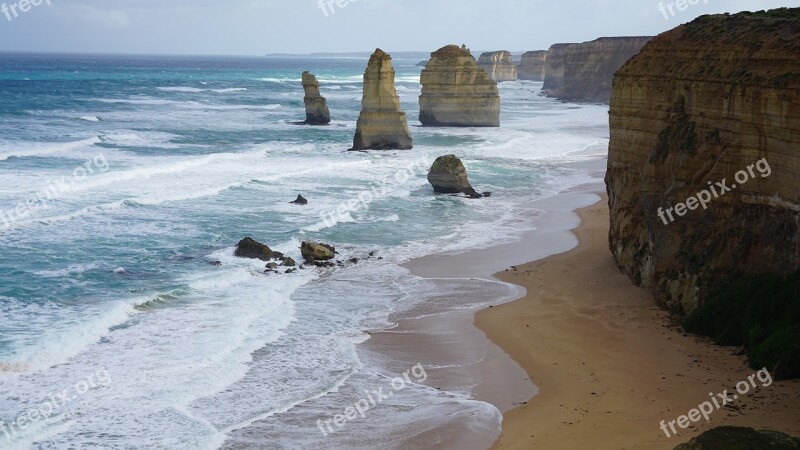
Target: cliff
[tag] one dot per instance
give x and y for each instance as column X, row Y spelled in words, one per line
column 709, row 111
column 316, row 106
column 584, row 72
column 499, row 65
column 532, row 66
column 381, row 125
column 456, row 92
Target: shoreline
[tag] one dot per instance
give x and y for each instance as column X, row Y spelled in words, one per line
column 609, row 363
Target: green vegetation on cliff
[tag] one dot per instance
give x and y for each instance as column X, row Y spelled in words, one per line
column 738, row 438
column 760, row 312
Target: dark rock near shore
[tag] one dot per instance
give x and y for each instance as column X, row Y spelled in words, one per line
column 250, row 248
column 300, row 201
column 315, row 252
column 739, row 438
column 449, row 176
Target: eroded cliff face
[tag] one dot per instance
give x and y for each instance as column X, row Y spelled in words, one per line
column 381, row 125
column 532, row 66
column 499, row 65
column 317, row 112
column 456, row 92
column 699, row 104
column 584, row 72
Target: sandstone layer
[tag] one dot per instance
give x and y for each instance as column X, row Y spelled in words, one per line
column 532, row 66
column 317, row 112
column 697, row 106
column 381, row 125
column 499, row 65
column 584, row 72
column 456, row 92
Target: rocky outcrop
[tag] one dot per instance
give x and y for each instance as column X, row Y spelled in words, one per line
column 584, row 72
column 499, row 65
column 703, row 104
column 313, row 252
column 381, row 125
column 300, row 200
column 449, row 176
column 250, row 248
column 316, row 107
column 741, row 438
column 532, row 66
column 456, row 92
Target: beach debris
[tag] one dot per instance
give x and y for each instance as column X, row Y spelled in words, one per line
column 252, row 249
column 300, row 201
column 314, row 252
column 449, row 176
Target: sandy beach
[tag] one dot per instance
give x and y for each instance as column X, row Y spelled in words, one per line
column 609, row 364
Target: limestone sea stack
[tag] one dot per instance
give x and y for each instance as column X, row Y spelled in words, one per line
column 584, row 72
column 449, row 176
column 381, row 125
column 712, row 103
column 316, row 106
column 456, row 92
column 499, row 65
column 532, row 66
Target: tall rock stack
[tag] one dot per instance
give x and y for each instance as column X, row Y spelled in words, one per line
column 532, row 66
column 317, row 112
column 381, row 125
column 499, row 65
column 456, row 92
column 713, row 102
column 584, row 72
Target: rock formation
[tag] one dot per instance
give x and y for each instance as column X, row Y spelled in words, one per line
column 499, row 65
column 250, row 248
column 381, row 125
column 449, row 176
column 584, row 72
column 737, row 437
column 456, row 92
column 316, row 107
column 532, row 66
column 701, row 105
column 300, row 200
column 313, row 252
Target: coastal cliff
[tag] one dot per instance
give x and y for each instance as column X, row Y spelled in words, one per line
column 499, row 65
column 456, row 92
column 584, row 72
column 710, row 111
column 532, row 66
column 381, row 125
column 317, row 112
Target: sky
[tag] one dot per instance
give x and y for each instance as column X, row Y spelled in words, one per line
column 258, row 27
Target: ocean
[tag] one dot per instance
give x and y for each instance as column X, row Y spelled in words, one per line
column 122, row 178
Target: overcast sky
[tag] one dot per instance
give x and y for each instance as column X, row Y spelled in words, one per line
column 256, row 27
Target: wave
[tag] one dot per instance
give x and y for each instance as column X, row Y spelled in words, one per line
column 188, row 89
column 90, row 118
column 32, row 149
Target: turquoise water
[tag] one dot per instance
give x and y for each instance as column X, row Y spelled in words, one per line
column 123, row 177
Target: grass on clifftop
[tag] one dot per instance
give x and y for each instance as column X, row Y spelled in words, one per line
column 762, row 313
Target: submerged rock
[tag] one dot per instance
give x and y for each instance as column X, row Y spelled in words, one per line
column 381, row 125
column 456, row 92
column 313, row 252
column 532, row 66
column 300, row 201
column 317, row 112
column 499, row 65
column 449, row 176
column 250, row 248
